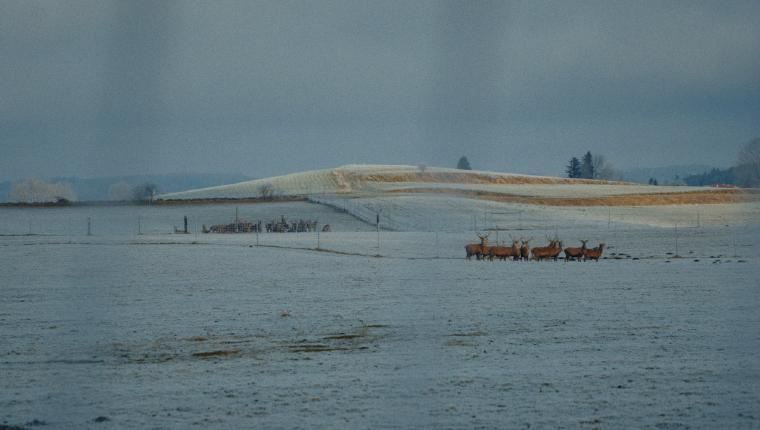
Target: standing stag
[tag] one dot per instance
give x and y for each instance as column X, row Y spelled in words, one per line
column 525, row 249
column 504, row 252
column 544, row 252
column 557, row 249
column 576, row 253
column 477, row 249
column 485, row 251
column 594, row 253
column 539, row 253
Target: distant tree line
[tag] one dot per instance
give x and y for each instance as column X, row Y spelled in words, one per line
column 714, row 176
column 35, row 190
column 746, row 172
column 590, row 167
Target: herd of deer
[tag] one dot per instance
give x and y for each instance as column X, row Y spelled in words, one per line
column 520, row 250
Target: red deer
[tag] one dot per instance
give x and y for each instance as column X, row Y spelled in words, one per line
column 557, row 249
column 575, row 253
column 540, row 252
column 552, row 251
column 476, row 249
column 594, row 253
column 504, row 252
column 525, row 249
column 485, row 251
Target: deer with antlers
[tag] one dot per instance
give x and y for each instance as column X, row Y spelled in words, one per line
column 575, row 252
column 539, row 253
column 477, row 249
column 525, row 249
column 505, row 252
column 594, row 253
column 557, row 249
column 545, row 252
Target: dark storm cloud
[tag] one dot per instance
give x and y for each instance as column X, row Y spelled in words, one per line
column 94, row 88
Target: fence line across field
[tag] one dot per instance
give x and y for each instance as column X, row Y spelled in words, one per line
column 500, row 223
column 396, row 245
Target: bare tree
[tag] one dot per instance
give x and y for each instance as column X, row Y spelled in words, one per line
column 602, row 168
column 748, row 165
column 266, row 191
column 35, row 190
column 145, row 192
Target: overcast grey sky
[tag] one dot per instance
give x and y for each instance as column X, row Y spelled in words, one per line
column 94, row 88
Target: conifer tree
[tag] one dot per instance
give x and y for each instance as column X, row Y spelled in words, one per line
column 463, row 164
column 587, row 166
column 573, row 168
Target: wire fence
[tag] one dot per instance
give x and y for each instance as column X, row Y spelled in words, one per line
column 401, row 232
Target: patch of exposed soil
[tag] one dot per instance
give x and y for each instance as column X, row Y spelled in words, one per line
column 210, row 354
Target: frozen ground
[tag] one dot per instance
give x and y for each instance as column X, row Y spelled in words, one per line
column 210, row 331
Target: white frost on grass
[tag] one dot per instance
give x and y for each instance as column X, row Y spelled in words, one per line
column 312, row 182
column 435, row 212
column 362, row 179
column 210, row 331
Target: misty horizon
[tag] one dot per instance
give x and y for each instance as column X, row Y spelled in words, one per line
column 95, row 89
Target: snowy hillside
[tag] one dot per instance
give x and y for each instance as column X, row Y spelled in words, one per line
column 361, row 180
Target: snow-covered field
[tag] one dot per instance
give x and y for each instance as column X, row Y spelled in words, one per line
column 388, row 330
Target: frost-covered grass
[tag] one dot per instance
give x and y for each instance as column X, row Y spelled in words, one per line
column 361, row 179
column 432, row 212
column 317, row 181
column 211, row 331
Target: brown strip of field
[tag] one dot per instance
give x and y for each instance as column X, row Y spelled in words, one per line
column 719, row 196
column 211, row 354
column 466, row 177
column 222, row 200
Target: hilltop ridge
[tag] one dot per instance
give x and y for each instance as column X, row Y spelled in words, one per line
column 392, row 180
